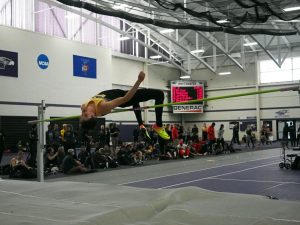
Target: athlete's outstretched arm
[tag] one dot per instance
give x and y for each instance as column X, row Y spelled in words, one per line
column 106, row 107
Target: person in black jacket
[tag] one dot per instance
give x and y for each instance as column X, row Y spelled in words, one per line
column 33, row 138
column 2, row 146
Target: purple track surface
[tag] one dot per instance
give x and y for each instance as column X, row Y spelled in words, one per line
column 260, row 177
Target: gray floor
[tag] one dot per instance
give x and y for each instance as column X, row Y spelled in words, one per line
column 226, row 189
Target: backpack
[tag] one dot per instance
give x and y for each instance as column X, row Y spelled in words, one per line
column 296, row 163
column 100, row 161
column 112, row 163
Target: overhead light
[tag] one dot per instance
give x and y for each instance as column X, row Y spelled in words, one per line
column 155, row 57
column 224, row 73
column 185, row 77
column 166, row 31
column 121, row 6
column 197, row 51
column 291, row 9
column 223, row 21
column 124, row 38
column 283, row 21
column 235, row 55
column 250, row 44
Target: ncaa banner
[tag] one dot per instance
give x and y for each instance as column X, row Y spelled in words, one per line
column 84, row 67
column 8, row 64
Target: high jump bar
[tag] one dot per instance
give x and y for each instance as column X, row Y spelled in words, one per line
column 291, row 88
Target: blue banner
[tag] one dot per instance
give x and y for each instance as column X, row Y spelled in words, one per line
column 8, row 63
column 84, row 67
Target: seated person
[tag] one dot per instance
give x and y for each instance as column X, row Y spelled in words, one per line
column 85, row 158
column 51, row 158
column 149, row 151
column 183, row 150
column 137, row 155
column 71, row 165
column 19, row 168
column 60, row 156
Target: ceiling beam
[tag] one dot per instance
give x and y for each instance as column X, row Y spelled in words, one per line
column 71, row 9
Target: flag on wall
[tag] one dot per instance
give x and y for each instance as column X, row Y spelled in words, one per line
column 8, row 63
column 84, row 67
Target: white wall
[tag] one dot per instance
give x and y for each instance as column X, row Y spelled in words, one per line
column 56, row 84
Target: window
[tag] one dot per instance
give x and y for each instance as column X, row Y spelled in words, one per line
column 289, row 71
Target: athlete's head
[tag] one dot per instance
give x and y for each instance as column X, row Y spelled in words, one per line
column 88, row 123
column 88, row 120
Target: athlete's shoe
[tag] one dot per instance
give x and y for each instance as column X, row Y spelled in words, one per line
column 145, row 132
column 161, row 132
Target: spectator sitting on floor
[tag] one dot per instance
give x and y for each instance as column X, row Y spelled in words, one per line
column 19, row 168
column 183, row 150
column 51, row 159
column 191, row 147
column 148, row 151
column 196, row 145
column 169, row 152
column 60, row 156
column 85, row 158
column 137, row 155
column 71, row 165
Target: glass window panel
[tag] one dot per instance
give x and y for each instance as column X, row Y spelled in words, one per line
column 269, row 65
column 296, row 74
column 50, row 20
column 5, row 13
column 296, row 63
column 89, row 32
column 108, row 37
column 276, row 76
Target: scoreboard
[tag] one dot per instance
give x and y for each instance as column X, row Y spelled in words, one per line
column 186, row 90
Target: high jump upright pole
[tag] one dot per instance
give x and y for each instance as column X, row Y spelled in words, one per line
column 41, row 142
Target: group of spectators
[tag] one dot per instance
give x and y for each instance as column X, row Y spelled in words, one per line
column 67, row 153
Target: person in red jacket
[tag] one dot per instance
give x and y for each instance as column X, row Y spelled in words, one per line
column 211, row 137
column 175, row 134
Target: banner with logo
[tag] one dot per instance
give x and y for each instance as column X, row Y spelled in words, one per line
column 84, row 67
column 8, row 63
column 43, row 61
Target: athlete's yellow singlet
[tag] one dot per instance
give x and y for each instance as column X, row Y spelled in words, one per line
column 97, row 99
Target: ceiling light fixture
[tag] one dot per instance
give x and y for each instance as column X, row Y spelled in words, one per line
column 166, row 31
column 155, row 57
column 250, row 44
column 197, row 51
column 223, row 21
column 224, row 73
column 124, row 38
column 185, row 77
column 120, row 7
column 289, row 9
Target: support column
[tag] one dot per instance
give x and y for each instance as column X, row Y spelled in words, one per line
column 41, row 143
column 146, row 85
column 257, row 99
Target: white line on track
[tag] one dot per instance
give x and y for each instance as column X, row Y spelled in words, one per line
column 223, row 174
column 256, row 181
column 192, row 171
